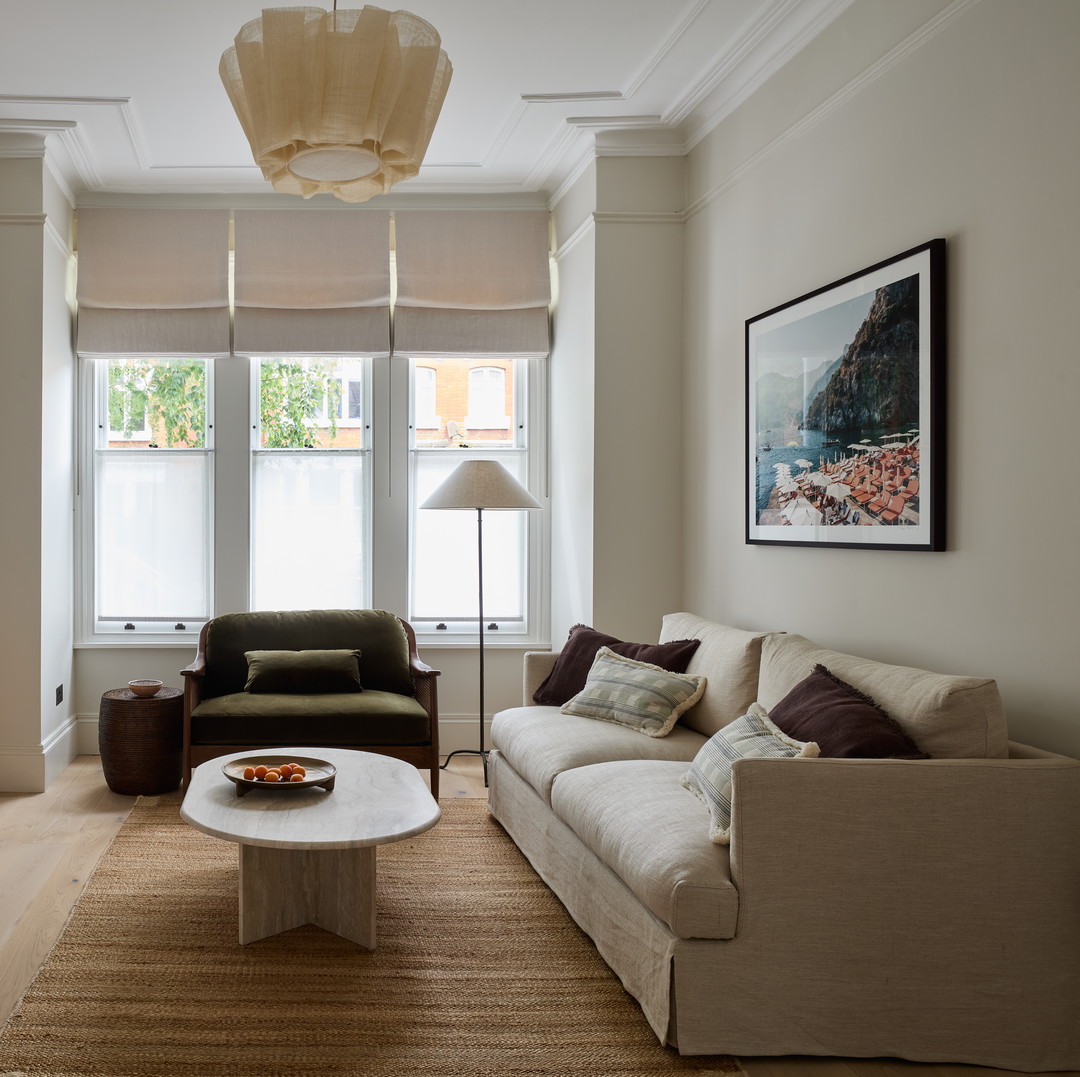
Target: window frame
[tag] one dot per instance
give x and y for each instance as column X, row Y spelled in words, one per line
column 527, row 429
column 231, row 423
column 92, row 440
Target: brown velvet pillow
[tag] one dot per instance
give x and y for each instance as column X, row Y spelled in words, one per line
column 303, row 672
column 841, row 720
column 571, row 668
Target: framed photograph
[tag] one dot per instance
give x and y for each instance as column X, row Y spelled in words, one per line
column 845, row 411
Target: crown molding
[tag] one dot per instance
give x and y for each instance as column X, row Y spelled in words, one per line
column 851, row 89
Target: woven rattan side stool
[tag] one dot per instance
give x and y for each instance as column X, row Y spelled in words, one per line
column 141, row 741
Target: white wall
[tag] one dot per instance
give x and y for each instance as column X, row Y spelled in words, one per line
column 616, row 390
column 572, row 408
column 57, row 436
column 892, row 129
column 36, row 432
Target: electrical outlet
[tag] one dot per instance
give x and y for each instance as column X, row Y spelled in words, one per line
column 59, row 694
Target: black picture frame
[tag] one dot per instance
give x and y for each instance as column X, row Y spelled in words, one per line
column 845, row 411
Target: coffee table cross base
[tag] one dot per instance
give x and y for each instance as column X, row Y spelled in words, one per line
column 286, row 888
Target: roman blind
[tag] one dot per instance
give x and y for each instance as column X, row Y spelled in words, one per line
column 153, row 282
column 312, row 282
column 472, row 283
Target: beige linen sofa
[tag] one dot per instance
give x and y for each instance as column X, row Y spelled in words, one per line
column 926, row 909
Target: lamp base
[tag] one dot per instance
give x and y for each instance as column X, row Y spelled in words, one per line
column 482, row 752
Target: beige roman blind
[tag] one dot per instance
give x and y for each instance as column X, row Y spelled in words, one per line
column 472, row 283
column 153, row 282
column 312, row 282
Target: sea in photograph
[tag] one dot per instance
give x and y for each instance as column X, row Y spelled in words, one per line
column 786, row 447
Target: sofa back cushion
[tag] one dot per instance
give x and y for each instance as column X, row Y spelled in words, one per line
column 376, row 634
column 728, row 658
column 947, row 716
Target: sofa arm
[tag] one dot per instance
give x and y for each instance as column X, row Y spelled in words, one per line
column 426, row 686
column 954, row 881
column 940, row 834
column 537, row 665
column 193, row 677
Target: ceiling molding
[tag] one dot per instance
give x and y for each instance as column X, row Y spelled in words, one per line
column 561, row 98
column 676, row 34
column 769, row 44
column 852, row 88
column 681, row 66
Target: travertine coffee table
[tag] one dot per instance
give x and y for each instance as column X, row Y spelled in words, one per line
column 307, row 856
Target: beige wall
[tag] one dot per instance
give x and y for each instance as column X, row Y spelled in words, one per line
column 889, row 130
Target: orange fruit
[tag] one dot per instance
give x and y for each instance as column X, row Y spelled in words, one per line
column 260, row 771
column 285, row 770
column 272, row 776
column 297, row 769
column 249, row 773
column 297, row 778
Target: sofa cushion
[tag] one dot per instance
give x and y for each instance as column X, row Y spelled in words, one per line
column 377, row 634
column 571, row 668
column 638, row 695
column 751, row 736
column 303, row 671
column 947, row 716
column 844, row 722
column 729, row 658
column 327, row 719
column 541, row 742
column 637, row 819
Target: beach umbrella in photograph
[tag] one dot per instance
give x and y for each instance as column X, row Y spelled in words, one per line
column 790, row 488
column 839, row 490
column 818, row 479
column 801, row 513
column 803, row 463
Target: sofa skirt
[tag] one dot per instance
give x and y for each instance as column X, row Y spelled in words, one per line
column 636, row 945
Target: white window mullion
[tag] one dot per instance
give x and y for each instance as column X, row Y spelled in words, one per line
column 390, row 509
column 232, row 420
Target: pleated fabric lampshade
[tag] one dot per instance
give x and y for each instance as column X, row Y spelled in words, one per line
column 343, row 102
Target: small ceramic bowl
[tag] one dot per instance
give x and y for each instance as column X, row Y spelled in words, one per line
column 145, row 689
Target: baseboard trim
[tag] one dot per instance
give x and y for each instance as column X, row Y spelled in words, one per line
column 32, row 768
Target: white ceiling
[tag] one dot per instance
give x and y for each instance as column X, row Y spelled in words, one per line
column 130, row 95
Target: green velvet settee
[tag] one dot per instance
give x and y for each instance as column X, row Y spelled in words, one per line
column 311, row 678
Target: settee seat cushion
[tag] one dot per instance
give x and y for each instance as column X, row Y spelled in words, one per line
column 541, row 742
column 639, row 821
column 333, row 719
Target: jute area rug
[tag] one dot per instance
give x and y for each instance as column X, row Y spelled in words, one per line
column 478, row 971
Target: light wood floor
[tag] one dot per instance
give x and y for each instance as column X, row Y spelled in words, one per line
column 50, row 842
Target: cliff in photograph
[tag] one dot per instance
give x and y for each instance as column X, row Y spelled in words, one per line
column 877, row 381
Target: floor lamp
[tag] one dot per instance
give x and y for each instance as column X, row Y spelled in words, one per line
column 480, row 484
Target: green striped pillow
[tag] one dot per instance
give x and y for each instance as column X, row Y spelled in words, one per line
column 709, row 776
column 647, row 698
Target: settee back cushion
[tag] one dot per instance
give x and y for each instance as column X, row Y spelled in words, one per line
column 947, row 716
column 728, row 658
column 376, row 634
